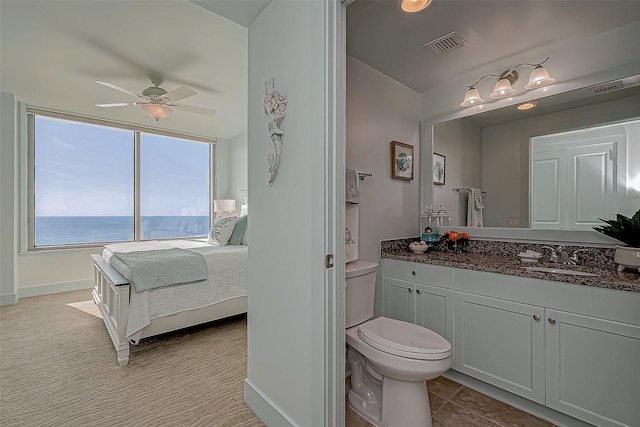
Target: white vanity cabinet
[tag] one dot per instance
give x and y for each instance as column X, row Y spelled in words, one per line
column 419, row 293
column 502, row 343
column 593, row 368
column 572, row 348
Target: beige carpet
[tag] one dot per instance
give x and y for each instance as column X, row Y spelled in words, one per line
column 58, row 368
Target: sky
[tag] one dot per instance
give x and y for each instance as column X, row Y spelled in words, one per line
column 88, row 170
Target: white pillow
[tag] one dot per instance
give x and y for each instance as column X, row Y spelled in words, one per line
column 221, row 230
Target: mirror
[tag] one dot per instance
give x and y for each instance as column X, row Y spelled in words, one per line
column 492, row 151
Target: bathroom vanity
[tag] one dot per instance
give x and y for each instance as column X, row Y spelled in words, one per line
column 568, row 343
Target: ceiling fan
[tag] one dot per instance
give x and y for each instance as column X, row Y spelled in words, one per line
column 158, row 102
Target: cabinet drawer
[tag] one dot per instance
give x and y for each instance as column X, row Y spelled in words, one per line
column 417, row 272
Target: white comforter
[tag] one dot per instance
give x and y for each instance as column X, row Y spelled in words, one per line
column 227, row 279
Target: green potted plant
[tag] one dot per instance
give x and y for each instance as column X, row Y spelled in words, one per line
column 626, row 230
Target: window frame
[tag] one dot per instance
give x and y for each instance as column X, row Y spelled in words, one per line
column 31, row 114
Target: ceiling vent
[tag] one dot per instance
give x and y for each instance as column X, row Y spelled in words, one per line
column 446, row 43
column 606, row 87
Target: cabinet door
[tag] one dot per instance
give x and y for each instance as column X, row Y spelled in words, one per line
column 434, row 310
column 593, row 368
column 399, row 301
column 500, row 342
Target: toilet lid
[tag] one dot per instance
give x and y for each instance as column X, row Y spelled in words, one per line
column 404, row 339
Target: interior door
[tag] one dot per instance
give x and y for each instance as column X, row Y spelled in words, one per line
column 592, row 185
column 547, row 191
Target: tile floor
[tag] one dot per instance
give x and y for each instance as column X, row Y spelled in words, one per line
column 454, row 405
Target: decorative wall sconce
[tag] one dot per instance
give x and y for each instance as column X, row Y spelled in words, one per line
column 504, row 87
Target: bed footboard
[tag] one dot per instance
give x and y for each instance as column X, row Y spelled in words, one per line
column 111, row 295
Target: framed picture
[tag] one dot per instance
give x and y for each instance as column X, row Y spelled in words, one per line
column 439, row 164
column 401, row 160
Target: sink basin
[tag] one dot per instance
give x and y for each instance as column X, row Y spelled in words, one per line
column 560, row 271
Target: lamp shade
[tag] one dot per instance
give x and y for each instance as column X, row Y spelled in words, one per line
column 412, row 6
column 502, row 89
column 224, row 205
column 156, row 111
column 471, row 98
column 539, row 77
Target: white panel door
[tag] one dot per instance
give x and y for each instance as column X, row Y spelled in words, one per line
column 590, row 360
column 547, row 191
column 500, row 342
column 592, row 187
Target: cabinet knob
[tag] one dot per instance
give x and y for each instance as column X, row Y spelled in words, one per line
column 417, row 291
column 410, row 290
column 536, row 317
column 413, row 272
column 552, row 320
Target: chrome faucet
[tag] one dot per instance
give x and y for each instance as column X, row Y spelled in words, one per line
column 554, row 255
column 574, row 260
column 560, row 255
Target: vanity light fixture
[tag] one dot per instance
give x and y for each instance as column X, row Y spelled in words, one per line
column 504, row 86
column 413, row 6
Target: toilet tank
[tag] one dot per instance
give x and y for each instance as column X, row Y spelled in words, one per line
column 360, row 291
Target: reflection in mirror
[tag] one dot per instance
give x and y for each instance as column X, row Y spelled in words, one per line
column 580, row 176
column 492, row 152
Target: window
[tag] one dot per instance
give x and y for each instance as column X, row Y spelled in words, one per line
column 98, row 183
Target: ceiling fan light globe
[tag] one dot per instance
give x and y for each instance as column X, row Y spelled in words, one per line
column 539, row 78
column 471, row 98
column 156, row 111
column 502, row 89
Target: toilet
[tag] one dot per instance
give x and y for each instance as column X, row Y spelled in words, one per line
column 390, row 359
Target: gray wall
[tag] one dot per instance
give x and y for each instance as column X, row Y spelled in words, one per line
column 381, row 110
column 460, row 142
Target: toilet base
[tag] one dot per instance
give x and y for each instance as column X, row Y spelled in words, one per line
column 405, row 404
column 370, row 411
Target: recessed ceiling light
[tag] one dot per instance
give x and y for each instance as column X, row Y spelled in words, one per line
column 527, row 106
column 412, row 6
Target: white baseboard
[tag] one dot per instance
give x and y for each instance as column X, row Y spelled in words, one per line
column 8, row 299
column 262, row 406
column 54, row 288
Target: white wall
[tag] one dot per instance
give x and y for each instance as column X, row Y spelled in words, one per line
column 285, row 371
column 231, row 168
column 7, row 185
column 238, row 178
column 381, row 110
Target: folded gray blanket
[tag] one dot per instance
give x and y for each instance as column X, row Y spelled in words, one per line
column 159, row 268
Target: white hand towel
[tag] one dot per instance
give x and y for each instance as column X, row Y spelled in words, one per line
column 476, row 194
column 351, row 232
column 353, row 186
column 474, row 214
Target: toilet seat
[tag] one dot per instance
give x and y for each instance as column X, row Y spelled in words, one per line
column 404, row 339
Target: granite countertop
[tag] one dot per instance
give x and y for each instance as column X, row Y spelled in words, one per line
column 608, row 276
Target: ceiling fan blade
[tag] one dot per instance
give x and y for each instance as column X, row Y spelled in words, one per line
column 192, row 109
column 117, row 104
column 121, row 89
column 180, row 93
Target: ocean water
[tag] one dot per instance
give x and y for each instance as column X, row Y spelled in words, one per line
column 59, row 230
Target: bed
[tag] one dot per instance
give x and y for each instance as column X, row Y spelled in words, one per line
column 131, row 315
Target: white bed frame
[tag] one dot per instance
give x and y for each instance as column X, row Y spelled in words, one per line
column 111, row 295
